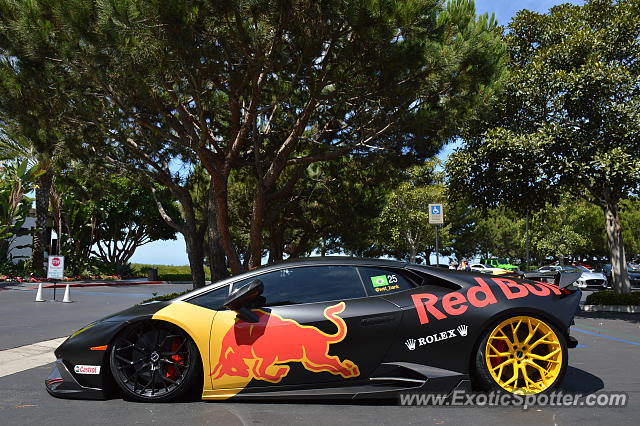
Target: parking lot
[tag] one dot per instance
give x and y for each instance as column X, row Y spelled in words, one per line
column 605, row 360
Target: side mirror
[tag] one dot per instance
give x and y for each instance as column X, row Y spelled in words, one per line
column 241, row 299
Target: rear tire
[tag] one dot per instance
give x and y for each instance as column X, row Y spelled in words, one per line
column 521, row 355
column 154, row 361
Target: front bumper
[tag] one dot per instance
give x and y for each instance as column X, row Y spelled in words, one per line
column 62, row 384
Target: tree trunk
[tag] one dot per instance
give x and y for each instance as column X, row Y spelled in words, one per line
column 619, row 276
column 217, row 261
column 193, row 237
column 414, row 253
column 276, row 246
column 43, row 192
column 255, row 234
column 195, row 252
column 221, row 223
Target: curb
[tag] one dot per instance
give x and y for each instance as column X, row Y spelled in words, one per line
column 629, row 309
column 105, row 284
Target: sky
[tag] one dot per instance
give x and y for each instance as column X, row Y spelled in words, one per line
column 174, row 253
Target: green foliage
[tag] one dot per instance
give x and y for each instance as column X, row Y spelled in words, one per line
column 164, row 297
column 630, row 218
column 612, row 298
column 109, row 216
column 175, row 277
column 255, row 91
column 167, row 272
column 403, row 225
column 553, row 234
column 16, row 178
column 566, row 122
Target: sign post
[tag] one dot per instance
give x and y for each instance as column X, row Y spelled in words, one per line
column 436, row 217
column 55, row 271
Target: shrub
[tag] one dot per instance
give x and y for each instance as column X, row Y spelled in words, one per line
column 175, row 277
column 612, row 298
column 166, row 296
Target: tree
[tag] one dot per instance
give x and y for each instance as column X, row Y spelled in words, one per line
column 30, row 121
column 109, row 217
column 568, row 119
column 16, row 178
column 553, row 235
column 269, row 86
column 403, row 227
column 630, row 218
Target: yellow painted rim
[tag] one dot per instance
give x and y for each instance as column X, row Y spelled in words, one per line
column 524, row 355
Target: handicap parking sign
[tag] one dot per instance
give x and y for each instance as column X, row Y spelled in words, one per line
column 436, row 215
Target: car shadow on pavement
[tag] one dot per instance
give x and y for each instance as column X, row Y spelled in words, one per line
column 580, row 381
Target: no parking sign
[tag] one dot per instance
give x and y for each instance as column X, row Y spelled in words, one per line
column 55, row 271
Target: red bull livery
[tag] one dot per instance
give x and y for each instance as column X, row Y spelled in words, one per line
column 328, row 328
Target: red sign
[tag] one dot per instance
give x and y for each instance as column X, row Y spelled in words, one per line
column 55, row 261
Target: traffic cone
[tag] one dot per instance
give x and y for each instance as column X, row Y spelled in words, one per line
column 66, row 298
column 39, row 294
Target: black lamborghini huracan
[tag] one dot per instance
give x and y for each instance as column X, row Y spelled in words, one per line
column 328, row 328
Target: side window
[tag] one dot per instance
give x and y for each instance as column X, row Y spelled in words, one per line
column 309, row 284
column 213, row 299
column 382, row 281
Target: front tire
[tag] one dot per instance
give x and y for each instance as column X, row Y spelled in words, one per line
column 521, row 355
column 154, row 361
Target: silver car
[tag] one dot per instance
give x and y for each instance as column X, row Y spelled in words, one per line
column 587, row 279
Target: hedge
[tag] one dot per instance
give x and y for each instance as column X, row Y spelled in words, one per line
column 175, row 277
column 166, row 296
column 612, row 298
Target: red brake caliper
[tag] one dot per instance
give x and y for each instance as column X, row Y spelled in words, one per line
column 500, row 346
column 172, row 373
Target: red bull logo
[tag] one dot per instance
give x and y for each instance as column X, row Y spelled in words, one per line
column 262, row 350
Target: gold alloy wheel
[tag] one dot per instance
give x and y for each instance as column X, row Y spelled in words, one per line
column 524, row 355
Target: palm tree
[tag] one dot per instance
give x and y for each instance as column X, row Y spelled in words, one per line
column 14, row 145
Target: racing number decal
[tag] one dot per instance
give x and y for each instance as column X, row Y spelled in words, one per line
column 385, row 282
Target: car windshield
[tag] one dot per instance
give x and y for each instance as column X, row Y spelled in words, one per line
column 582, row 268
column 502, row 260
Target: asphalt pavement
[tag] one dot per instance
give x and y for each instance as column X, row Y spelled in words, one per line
column 606, row 360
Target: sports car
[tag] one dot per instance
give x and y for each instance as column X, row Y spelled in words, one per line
column 327, row 328
column 587, row 277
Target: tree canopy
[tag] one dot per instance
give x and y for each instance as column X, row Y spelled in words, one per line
column 265, row 88
column 567, row 121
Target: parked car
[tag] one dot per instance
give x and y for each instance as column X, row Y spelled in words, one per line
column 584, row 265
column 587, row 277
column 632, row 269
column 486, row 269
column 499, row 262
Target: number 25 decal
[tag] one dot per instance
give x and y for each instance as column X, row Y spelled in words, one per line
column 392, row 279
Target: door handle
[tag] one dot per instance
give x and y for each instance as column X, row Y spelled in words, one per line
column 377, row 320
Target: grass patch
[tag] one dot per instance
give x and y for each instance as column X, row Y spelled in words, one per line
column 170, row 272
column 166, row 296
column 613, row 298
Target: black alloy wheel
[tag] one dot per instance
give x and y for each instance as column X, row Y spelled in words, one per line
column 154, row 361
